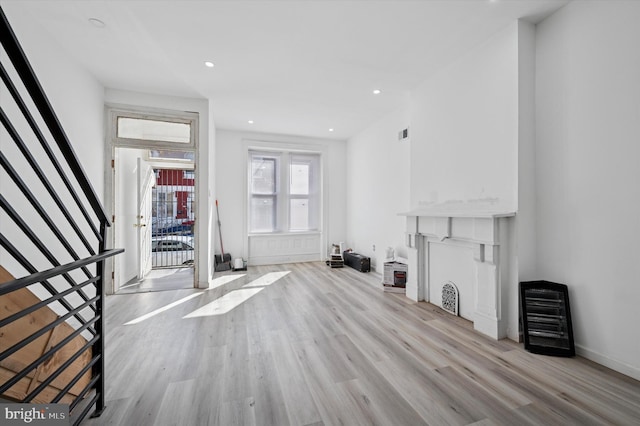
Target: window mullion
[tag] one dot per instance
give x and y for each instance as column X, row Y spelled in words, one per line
column 283, row 217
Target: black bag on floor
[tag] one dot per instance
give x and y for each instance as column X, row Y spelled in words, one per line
column 357, row 261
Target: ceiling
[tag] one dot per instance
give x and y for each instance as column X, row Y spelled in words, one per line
column 297, row 67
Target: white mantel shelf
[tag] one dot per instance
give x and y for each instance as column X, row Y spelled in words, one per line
column 442, row 242
column 457, row 213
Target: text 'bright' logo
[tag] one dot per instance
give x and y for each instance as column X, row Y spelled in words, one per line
column 40, row 414
column 25, row 415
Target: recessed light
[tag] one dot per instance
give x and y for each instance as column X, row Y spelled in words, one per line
column 376, row 91
column 250, row 121
column 97, row 22
column 208, row 64
column 331, row 130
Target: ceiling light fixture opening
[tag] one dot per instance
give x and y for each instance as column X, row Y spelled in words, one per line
column 97, row 23
column 331, row 130
column 250, row 121
column 208, row 64
column 376, row 91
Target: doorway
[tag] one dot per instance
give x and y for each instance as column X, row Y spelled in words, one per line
column 152, row 191
column 154, row 221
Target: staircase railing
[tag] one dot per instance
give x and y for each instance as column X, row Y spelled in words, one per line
column 52, row 236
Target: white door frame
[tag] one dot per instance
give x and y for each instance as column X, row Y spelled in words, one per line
column 113, row 142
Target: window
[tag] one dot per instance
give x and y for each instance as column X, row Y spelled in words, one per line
column 303, row 192
column 168, row 135
column 284, row 192
column 155, row 130
column 264, row 196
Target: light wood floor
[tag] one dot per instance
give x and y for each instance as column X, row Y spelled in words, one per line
column 160, row 279
column 321, row 346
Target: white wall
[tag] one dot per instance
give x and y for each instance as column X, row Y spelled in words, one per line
column 205, row 184
column 78, row 99
column 76, row 96
column 472, row 146
column 522, row 230
column 464, row 124
column 378, row 188
column 588, row 133
column 231, row 189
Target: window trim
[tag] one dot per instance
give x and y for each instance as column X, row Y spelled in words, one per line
column 265, row 145
column 282, row 196
column 114, row 112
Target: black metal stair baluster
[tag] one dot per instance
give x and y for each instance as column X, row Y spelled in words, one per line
column 45, row 146
column 42, row 276
column 77, row 377
column 41, row 211
column 53, row 375
column 8, row 320
column 44, row 357
column 34, row 165
column 36, row 241
column 33, row 336
column 20, row 63
column 98, row 347
column 17, row 255
column 69, row 169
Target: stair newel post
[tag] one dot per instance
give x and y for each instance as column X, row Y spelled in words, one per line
column 98, row 347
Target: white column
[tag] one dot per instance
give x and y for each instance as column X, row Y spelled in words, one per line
column 487, row 289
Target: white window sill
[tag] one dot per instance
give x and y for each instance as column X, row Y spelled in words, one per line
column 283, row 234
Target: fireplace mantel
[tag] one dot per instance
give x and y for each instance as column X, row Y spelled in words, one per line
column 464, row 245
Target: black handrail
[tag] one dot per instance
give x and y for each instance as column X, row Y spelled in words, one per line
column 73, row 302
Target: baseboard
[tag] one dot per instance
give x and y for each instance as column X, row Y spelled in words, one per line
column 620, row 367
column 280, row 259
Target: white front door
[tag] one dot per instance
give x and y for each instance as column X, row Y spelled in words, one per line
column 146, row 181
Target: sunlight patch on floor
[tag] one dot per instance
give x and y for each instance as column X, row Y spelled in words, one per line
column 237, row 297
column 225, row 279
column 226, row 303
column 266, row 279
column 162, row 309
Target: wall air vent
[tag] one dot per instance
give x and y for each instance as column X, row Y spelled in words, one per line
column 450, row 298
column 403, row 134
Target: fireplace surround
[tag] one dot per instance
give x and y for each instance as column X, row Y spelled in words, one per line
column 469, row 249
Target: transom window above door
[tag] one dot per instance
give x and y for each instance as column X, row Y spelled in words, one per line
column 155, row 130
column 165, row 130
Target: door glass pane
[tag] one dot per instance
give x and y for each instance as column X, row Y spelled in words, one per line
column 263, row 175
column 299, row 177
column 299, row 214
column 262, row 214
column 155, row 130
column 161, row 154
